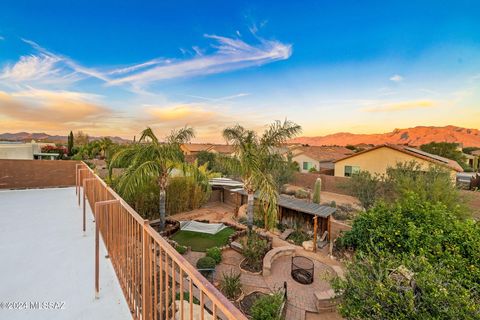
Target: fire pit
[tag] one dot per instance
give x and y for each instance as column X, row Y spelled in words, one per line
column 302, row 270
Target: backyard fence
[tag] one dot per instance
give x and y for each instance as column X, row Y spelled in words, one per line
column 329, row 183
column 158, row 283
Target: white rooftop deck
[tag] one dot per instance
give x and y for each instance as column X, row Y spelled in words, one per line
column 44, row 257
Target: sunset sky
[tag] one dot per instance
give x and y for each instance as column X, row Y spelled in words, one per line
column 114, row 67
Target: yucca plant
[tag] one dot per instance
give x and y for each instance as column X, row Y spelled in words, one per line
column 231, row 285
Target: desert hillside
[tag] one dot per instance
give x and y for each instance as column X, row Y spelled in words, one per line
column 413, row 136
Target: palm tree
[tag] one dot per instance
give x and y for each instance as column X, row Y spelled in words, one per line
column 104, row 145
column 255, row 158
column 148, row 160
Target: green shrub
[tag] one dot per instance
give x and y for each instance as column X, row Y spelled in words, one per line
column 215, row 253
column 186, row 297
column 254, row 249
column 302, row 194
column 180, row 249
column 231, row 285
column 206, row 263
column 268, row 307
column 298, row 237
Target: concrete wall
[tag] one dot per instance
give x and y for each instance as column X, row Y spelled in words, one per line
column 378, row 160
column 17, row 174
column 21, row 151
column 329, row 183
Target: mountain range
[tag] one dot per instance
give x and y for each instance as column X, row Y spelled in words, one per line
column 44, row 137
column 412, row 136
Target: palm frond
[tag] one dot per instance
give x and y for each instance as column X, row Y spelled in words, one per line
column 180, row 136
column 148, row 133
column 279, row 132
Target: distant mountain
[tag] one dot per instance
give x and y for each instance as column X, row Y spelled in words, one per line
column 412, row 136
column 44, row 137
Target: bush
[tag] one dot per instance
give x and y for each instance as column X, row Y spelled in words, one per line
column 302, row 194
column 267, row 307
column 186, row 297
column 298, row 237
column 439, row 250
column 231, row 285
column 254, row 249
column 180, row 249
column 206, row 263
column 215, row 253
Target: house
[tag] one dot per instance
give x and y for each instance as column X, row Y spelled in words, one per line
column 376, row 160
column 223, row 149
column 320, row 158
column 473, row 160
column 194, row 148
column 25, row 151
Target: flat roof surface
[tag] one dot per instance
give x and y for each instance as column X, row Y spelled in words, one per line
column 46, row 259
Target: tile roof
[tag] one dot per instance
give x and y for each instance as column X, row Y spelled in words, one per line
column 451, row 164
column 320, row 154
column 222, row 148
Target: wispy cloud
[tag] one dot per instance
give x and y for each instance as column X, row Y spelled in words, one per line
column 230, row 54
column 396, row 78
column 400, row 106
column 46, row 67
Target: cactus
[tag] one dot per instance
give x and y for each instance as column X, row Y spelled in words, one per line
column 316, row 191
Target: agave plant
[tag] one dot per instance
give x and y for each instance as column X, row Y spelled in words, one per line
column 148, row 160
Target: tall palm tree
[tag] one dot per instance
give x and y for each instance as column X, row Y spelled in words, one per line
column 255, row 157
column 148, row 160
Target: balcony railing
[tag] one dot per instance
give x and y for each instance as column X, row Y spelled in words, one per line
column 152, row 274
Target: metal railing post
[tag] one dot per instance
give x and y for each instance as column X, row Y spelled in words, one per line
column 97, row 207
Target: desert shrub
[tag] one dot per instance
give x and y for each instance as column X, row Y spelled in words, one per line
column 180, row 249
column 268, row 307
column 254, row 249
column 206, row 263
column 215, row 253
column 184, row 194
column 437, row 253
column 298, row 237
column 365, row 187
column 230, row 284
column 302, row 194
column 312, row 169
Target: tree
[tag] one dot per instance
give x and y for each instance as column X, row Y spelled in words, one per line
column 365, row 187
column 206, row 157
column 81, row 138
column 255, row 158
column 414, row 260
column 150, row 160
column 447, row 150
column 70, row 144
column 104, row 145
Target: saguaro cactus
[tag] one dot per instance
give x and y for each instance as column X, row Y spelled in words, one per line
column 316, row 190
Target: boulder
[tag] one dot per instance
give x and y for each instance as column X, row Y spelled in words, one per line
column 307, row 245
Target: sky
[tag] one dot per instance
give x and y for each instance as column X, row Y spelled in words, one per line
column 115, row 67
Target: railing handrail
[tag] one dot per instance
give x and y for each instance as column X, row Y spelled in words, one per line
column 205, row 287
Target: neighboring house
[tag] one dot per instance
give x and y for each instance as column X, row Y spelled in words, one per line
column 473, row 160
column 25, row 151
column 195, row 148
column 223, row 149
column 192, row 149
column 320, row 158
column 379, row 158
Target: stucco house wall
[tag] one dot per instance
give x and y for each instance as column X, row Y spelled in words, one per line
column 378, row 160
column 301, row 158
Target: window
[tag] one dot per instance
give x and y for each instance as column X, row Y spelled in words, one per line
column 307, row 165
column 351, row 170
